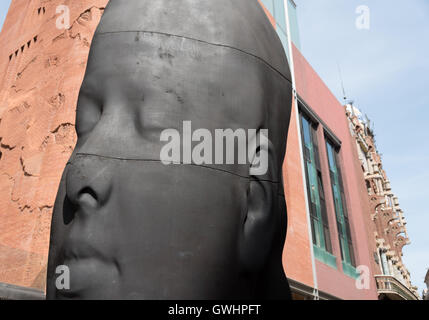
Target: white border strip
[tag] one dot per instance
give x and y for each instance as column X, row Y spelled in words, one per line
column 292, row 70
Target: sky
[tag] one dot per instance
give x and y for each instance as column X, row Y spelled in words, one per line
column 385, row 70
column 4, row 6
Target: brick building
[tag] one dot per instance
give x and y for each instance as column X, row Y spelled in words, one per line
column 41, row 70
column 327, row 238
column 387, row 228
column 42, row 67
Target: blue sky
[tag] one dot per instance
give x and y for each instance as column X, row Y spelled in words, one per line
column 386, row 72
column 4, row 6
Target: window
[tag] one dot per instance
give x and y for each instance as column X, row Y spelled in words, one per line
column 315, row 191
column 384, row 263
column 343, row 224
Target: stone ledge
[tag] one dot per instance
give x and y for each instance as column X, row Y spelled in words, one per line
column 11, row 292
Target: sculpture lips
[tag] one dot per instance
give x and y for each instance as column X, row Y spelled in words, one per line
column 89, row 269
column 89, row 274
column 75, row 250
column 78, row 248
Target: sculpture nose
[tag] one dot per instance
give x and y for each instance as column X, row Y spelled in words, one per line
column 89, row 182
column 87, row 197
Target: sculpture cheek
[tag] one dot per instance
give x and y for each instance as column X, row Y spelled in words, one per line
column 88, row 113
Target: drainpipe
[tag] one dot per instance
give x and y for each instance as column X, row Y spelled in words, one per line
column 295, row 106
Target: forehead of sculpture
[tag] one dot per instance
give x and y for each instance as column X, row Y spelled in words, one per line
column 239, row 24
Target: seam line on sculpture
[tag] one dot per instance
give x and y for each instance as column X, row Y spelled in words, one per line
column 174, row 163
column 202, row 41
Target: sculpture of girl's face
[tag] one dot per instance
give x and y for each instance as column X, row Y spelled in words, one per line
column 128, row 226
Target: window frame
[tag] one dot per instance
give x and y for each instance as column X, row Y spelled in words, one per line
column 344, row 228
column 320, row 228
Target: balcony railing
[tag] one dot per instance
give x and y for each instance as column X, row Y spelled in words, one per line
column 393, row 289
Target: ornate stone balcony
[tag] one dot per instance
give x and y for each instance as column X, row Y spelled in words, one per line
column 390, row 288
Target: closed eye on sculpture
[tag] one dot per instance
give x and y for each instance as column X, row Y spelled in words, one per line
column 88, row 113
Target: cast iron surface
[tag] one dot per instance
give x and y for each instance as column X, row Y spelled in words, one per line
column 129, row 227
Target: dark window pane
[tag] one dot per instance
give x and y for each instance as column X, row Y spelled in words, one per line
column 314, row 211
column 313, row 231
column 352, row 255
column 307, row 154
column 306, row 131
column 321, row 191
column 316, row 148
column 328, row 244
column 343, row 225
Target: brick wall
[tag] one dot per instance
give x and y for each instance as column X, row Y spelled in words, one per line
column 42, row 68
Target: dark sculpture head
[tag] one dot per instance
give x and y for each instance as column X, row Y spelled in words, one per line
column 128, row 226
